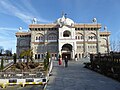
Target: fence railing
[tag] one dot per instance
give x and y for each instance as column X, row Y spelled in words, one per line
column 108, row 64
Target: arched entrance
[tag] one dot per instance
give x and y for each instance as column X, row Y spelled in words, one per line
column 66, row 51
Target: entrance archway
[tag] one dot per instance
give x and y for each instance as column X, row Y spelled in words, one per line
column 66, row 51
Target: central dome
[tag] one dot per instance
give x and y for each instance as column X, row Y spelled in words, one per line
column 65, row 21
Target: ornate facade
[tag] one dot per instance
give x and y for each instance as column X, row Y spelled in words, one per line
column 64, row 37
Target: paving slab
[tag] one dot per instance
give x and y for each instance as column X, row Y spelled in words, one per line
column 75, row 77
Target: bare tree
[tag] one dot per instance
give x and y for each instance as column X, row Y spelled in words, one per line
column 113, row 45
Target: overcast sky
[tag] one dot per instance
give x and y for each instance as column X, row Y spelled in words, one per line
column 16, row 13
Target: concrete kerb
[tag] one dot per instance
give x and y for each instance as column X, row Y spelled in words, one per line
column 49, row 73
column 28, row 81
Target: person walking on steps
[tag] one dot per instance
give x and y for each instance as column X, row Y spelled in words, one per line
column 66, row 61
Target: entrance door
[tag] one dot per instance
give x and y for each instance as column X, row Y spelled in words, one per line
column 66, row 51
column 66, row 54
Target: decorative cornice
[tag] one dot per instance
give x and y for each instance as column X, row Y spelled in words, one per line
column 57, row 26
column 105, row 33
column 87, row 25
column 38, row 43
column 23, row 34
column 43, row 26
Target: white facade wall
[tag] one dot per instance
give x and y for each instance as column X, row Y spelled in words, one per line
column 79, row 42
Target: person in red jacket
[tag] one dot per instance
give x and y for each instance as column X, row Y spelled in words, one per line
column 60, row 60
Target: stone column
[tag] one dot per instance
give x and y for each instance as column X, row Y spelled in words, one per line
column 108, row 41
column 98, row 40
column 85, row 42
column 73, row 54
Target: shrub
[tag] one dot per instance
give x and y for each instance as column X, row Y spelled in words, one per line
column 46, row 61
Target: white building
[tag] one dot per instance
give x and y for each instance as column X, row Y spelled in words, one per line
column 64, row 37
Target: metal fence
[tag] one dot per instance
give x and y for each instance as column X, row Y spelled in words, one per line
column 108, row 64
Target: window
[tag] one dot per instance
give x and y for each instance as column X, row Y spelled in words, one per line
column 39, row 38
column 79, row 56
column 39, row 29
column 55, row 55
column 52, row 55
column 92, row 37
column 42, row 55
column 75, row 37
column 80, row 37
column 82, row 55
column 66, row 33
column 36, row 38
column 35, row 56
column 82, row 29
column 38, row 56
column 36, row 29
column 52, row 37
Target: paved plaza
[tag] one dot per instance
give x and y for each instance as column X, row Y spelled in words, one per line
column 75, row 77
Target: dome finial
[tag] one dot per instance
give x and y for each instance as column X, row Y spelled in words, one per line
column 62, row 13
column 65, row 15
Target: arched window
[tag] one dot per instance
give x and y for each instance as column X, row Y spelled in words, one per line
column 52, row 36
column 92, row 37
column 66, row 33
column 80, row 36
column 39, row 37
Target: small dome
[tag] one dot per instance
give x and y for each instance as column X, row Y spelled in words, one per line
column 65, row 21
column 105, row 28
column 34, row 21
column 94, row 20
column 20, row 28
